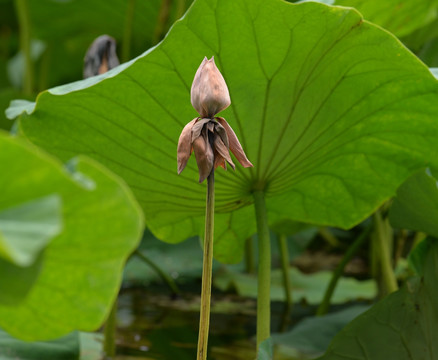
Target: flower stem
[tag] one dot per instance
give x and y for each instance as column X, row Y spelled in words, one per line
column 207, row 267
column 351, row 251
column 109, row 344
column 264, row 273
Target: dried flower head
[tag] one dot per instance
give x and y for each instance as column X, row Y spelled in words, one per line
column 101, row 56
column 208, row 136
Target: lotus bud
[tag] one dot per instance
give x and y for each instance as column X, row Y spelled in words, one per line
column 209, row 93
column 209, row 137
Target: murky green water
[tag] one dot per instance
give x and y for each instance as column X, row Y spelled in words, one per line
column 155, row 326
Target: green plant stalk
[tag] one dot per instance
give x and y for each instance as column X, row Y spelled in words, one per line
column 401, row 242
column 339, row 270
column 207, row 269
column 22, row 9
column 127, row 34
column 45, row 69
column 109, row 343
column 264, row 273
column 382, row 246
column 418, row 238
column 249, row 256
column 163, row 17
column 329, row 237
column 284, row 254
column 165, row 277
column 180, row 8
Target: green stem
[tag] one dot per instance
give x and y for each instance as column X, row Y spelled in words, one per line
column 383, row 246
column 418, row 238
column 207, row 270
column 249, row 256
column 163, row 17
column 401, row 243
column 264, row 273
column 165, row 277
column 45, row 69
column 284, row 254
column 329, row 237
column 24, row 24
column 350, row 253
column 180, row 8
column 109, row 345
column 127, row 34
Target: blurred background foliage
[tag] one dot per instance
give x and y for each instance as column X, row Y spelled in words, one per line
column 58, row 33
column 43, row 44
column 47, row 39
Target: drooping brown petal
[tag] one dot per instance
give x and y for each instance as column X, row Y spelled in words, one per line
column 209, row 92
column 219, row 161
column 220, row 147
column 185, row 145
column 210, row 126
column 197, row 128
column 235, row 146
column 204, row 155
column 220, row 130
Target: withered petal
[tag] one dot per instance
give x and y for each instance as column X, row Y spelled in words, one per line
column 220, row 130
column 220, row 147
column 197, row 128
column 235, row 146
column 185, row 146
column 204, row 156
column 219, row 161
column 210, row 126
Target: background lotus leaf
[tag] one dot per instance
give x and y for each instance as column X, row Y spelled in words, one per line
column 401, row 326
column 78, row 272
column 416, row 205
column 333, row 112
column 401, row 17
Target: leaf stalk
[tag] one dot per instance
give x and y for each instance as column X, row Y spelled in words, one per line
column 109, row 343
column 339, row 270
column 382, row 244
column 264, row 272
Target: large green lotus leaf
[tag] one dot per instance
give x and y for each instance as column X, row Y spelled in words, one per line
column 402, row 326
column 80, row 270
column 27, row 228
column 401, row 17
column 333, row 112
column 65, row 348
column 416, row 205
column 16, row 281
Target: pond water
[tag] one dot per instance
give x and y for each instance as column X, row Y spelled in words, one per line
column 157, row 326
